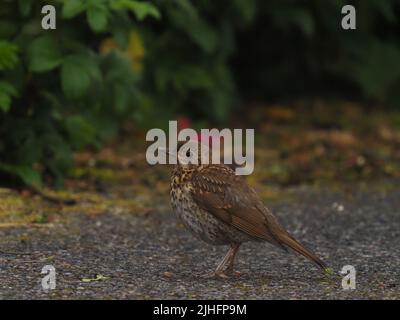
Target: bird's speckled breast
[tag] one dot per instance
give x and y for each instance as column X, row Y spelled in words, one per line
column 202, row 223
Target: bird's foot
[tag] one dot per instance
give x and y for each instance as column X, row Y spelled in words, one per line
column 235, row 273
column 215, row 275
column 221, row 275
column 229, row 271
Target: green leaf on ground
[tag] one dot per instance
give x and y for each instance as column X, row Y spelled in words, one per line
column 328, row 270
column 99, row 277
column 28, row 175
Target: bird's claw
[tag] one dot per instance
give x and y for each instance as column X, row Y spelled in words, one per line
column 235, row 273
column 214, row 275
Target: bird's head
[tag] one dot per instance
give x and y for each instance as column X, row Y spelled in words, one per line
column 191, row 154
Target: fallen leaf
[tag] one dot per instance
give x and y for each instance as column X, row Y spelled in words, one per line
column 99, row 277
column 167, row 274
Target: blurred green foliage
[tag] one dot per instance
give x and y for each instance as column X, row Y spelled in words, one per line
column 108, row 61
column 298, row 47
column 58, row 93
column 111, row 61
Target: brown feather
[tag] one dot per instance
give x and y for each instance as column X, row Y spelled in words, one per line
column 228, row 197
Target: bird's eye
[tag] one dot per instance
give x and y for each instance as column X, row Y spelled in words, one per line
column 188, row 153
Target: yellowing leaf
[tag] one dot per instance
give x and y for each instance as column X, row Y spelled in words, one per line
column 135, row 51
column 99, row 277
column 108, row 45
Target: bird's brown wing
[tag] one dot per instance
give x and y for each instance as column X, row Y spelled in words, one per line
column 228, row 197
column 218, row 190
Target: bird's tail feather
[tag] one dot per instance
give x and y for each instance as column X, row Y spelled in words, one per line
column 287, row 240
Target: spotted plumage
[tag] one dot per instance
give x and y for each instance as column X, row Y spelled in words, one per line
column 220, row 208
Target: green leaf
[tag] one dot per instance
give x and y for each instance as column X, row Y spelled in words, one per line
column 5, row 102
column 378, row 69
column 298, row 17
column 328, row 271
column 8, row 55
column 77, row 72
column 8, row 28
column 44, row 54
column 7, row 88
column 80, row 131
column 385, row 7
column 6, row 92
column 192, row 76
column 121, row 98
column 187, row 19
column 305, row 21
column 99, row 277
column 140, row 8
column 74, row 82
column 72, row 8
column 247, row 9
column 25, row 7
column 97, row 17
column 28, row 175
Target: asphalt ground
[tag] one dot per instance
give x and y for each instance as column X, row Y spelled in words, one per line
column 116, row 255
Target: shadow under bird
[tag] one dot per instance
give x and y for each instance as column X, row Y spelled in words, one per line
column 220, row 208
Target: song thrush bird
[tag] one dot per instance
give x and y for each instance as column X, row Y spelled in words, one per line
column 220, row 208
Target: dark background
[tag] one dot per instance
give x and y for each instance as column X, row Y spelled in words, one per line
column 113, row 66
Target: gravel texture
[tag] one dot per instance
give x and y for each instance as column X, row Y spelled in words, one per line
column 152, row 256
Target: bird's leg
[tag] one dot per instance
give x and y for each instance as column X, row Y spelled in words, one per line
column 229, row 268
column 220, row 270
column 226, row 265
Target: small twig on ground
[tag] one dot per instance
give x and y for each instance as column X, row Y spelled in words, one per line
column 53, row 199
